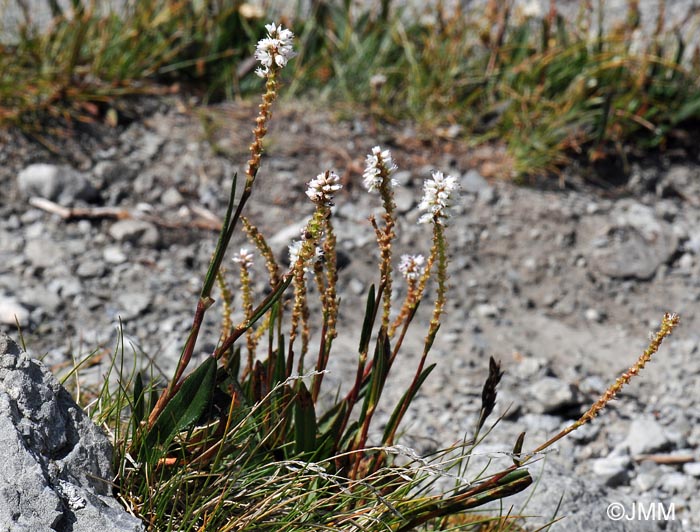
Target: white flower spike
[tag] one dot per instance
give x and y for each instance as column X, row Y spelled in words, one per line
column 436, row 194
column 276, row 49
column 244, row 258
column 321, row 189
column 295, row 250
column 377, row 161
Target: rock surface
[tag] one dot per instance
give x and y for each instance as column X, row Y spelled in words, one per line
column 53, row 457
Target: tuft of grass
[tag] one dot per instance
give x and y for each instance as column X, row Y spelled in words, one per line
column 86, row 59
column 549, row 89
column 546, row 87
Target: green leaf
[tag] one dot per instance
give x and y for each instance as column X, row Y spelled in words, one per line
column 186, row 406
column 377, row 377
column 280, row 370
column 329, row 429
column 304, row 421
column 367, row 324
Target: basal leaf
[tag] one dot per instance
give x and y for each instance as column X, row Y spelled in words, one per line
column 187, row 405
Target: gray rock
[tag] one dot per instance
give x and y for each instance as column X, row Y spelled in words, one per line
column 594, row 315
column 39, row 297
column 631, row 255
column 584, row 504
column 90, row 268
column 149, row 145
column 486, row 310
column 692, row 469
column 132, row 304
column 550, row 395
column 57, row 183
column 488, row 196
column 403, row 177
column 108, row 172
column 645, row 436
column 66, row 287
column 54, row 458
column 405, row 199
column 693, row 244
column 676, row 483
column 40, row 180
column 171, row 197
column 114, row 255
column 11, row 311
column 137, row 232
column 612, row 470
column 473, row 182
column 685, row 263
column 637, row 243
column 44, row 253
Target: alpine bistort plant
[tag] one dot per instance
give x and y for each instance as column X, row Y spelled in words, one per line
column 242, row 442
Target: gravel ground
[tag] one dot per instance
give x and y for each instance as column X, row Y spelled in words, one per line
column 561, row 285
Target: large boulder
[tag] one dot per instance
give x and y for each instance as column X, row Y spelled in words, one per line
column 56, row 463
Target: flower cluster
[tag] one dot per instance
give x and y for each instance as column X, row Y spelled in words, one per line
column 412, row 267
column 295, row 253
column 274, row 50
column 321, row 189
column 244, row 258
column 436, row 194
column 379, row 165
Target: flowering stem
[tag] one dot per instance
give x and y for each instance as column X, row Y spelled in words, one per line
column 439, row 249
column 668, row 323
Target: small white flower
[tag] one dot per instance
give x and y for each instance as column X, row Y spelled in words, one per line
column 294, row 251
column 532, row 9
column 436, row 194
column 321, row 189
column 412, row 266
column 378, row 162
column 244, row 258
column 275, row 49
column 377, row 81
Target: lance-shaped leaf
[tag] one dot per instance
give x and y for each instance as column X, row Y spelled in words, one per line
column 187, row 405
column 304, row 421
column 380, row 362
column 329, row 427
column 370, row 310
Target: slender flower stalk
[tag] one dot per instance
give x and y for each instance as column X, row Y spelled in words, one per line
column 273, row 52
column 378, row 176
column 413, row 269
column 298, row 261
column 321, row 191
column 668, row 323
column 256, row 237
column 303, row 253
column 227, row 301
column 244, row 259
column 436, row 195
